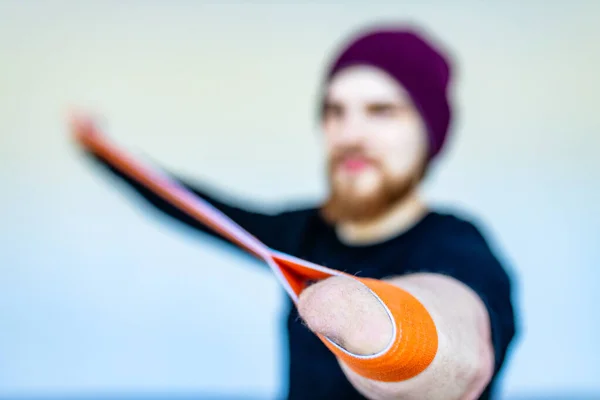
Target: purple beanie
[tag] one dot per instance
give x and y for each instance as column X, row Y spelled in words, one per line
column 419, row 67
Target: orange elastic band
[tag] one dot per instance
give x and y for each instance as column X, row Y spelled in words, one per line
column 414, row 342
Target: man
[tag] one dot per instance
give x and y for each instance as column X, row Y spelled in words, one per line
column 385, row 116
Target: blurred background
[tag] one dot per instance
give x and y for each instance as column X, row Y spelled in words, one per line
column 99, row 298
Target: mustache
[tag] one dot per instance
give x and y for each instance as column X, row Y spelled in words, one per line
column 342, row 154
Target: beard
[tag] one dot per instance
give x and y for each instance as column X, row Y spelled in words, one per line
column 346, row 203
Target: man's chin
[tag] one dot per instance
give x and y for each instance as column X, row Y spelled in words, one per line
column 362, row 185
column 353, row 206
column 363, row 201
column 357, row 196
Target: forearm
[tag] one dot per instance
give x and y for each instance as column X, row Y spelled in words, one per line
column 464, row 362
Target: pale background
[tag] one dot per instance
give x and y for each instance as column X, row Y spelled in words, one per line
column 99, row 297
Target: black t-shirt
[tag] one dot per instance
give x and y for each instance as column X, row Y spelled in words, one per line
column 439, row 243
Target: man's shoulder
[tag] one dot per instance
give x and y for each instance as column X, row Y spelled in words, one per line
column 453, row 227
column 464, row 238
column 463, row 242
column 298, row 213
column 302, row 210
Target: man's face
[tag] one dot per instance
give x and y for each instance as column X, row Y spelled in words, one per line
column 375, row 141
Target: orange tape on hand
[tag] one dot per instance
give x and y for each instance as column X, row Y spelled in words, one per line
column 414, row 340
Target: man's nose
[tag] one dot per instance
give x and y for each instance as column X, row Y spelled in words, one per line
column 352, row 130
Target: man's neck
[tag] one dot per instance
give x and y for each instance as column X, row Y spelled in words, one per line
column 398, row 219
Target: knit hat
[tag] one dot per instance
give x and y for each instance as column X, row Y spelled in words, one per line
column 416, row 64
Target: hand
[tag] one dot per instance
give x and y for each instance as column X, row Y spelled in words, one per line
column 83, row 128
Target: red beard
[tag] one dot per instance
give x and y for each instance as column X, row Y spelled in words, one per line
column 344, row 205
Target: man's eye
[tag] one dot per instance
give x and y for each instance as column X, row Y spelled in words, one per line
column 334, row 111
column 382, row 110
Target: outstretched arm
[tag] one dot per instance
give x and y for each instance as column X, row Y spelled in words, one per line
column 265, row 227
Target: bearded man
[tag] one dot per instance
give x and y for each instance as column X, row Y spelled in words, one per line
column 385, row 116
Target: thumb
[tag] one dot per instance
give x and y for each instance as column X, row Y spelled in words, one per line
column 347, row 312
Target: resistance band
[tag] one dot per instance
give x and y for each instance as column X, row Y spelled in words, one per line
column 414, row 340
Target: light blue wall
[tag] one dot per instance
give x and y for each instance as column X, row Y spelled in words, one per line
column 97, row 296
